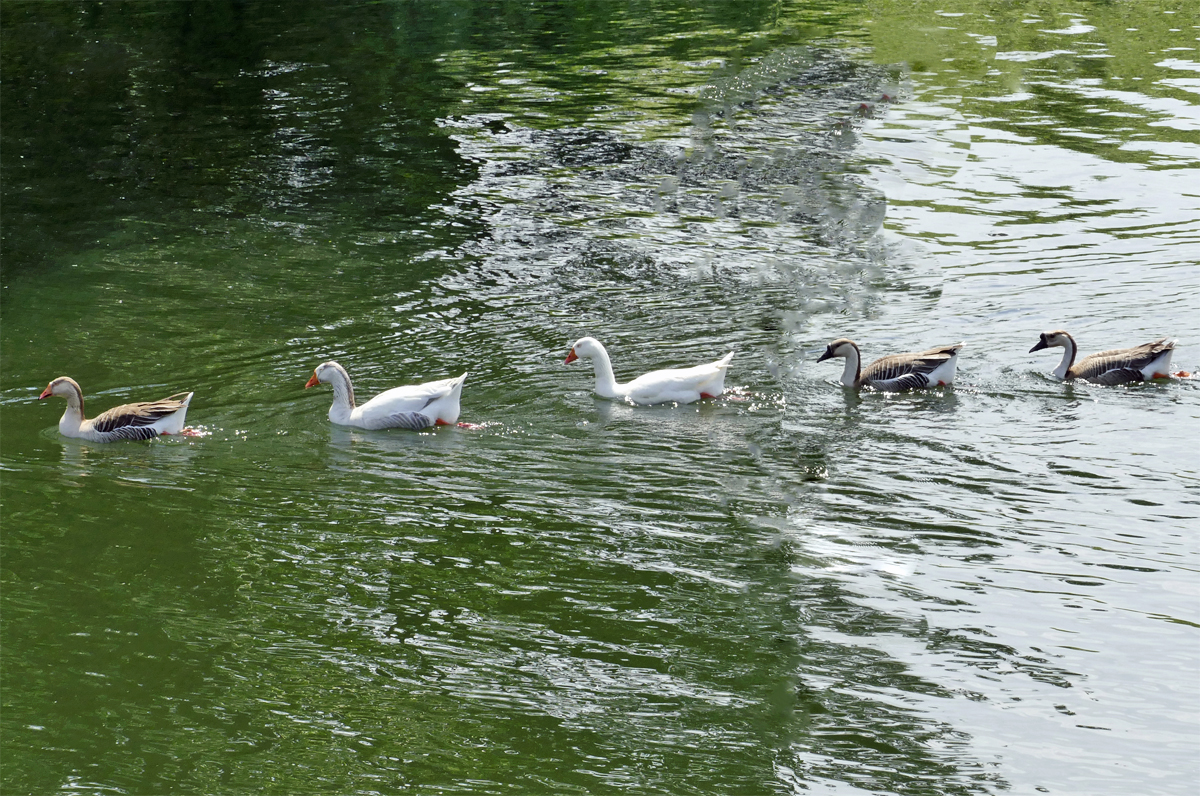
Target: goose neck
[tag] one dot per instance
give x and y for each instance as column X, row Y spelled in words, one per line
column 75, row 398
column 1068, row 359
column 343, row 395
column 850, row 374
column 606, row 382
column 72, row 418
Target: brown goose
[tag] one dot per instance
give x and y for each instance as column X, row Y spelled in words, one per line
column 932, row 368
column 130, row 421
column 1118, row 366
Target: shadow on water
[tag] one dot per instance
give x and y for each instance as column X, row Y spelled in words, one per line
column 938, row 399
column 119, row 114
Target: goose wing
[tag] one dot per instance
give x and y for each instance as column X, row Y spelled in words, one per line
column 1095, row 367
column 413, row 421
column 678, row 384
column 1116, row 376
column 411, row 397
column 419, row 399
column 403, row 407
column 909, row 381
column 135, row 421
column 896, row 366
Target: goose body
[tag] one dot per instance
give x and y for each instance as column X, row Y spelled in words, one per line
column 145, row 420
column 1117, row 366
column 934, row 367
column 416, row 406
column 678, row 385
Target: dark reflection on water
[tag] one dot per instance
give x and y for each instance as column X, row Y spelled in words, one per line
column 118, row 112
column 793, row 587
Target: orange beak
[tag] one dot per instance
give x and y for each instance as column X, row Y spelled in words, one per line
column 312, row 382
column 45, row 393
column 570, row 357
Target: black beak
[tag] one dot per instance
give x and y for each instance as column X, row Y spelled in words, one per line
column 1040, row 345
column 827, row 355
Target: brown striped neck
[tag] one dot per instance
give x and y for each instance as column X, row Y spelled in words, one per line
column 349, row 387
column 68, row 388
column 75, row 398
column 337, row 377
column 854, row 358
column 1070, row 349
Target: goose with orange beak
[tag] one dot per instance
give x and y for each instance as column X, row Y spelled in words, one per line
column 145, row 420
column 416, row 406
column 679, row 385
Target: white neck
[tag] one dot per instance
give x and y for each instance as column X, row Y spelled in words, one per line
column 72, row 419
column 606, row 382
column 1068, row 358
column 850, row 372
column 343, row 396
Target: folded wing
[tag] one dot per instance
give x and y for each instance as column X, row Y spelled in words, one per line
column 138, row 421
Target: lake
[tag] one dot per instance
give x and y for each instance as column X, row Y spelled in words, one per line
column 981, row 589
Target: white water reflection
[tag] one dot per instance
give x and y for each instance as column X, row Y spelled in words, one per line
column 1051, row 520
column 991, row 526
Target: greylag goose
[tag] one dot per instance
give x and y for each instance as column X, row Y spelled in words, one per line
column 932, row 368
column 145, row 420
column 680, row 385
column 1118, row 366
column 413, row 407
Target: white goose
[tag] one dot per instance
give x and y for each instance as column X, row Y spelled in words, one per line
column 1118, row 366
column 414, row 407
column 145, row 420
column 681, row 385
column 915, row 370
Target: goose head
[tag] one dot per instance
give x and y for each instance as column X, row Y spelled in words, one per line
column 1055, row 339
column 583, row 348
column 63, row 387
column 329, row 373
column 841, row 347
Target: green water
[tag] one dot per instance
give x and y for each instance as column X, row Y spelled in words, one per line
column 984, row 589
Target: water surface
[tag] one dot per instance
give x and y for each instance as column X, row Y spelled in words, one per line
column 984, row 589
